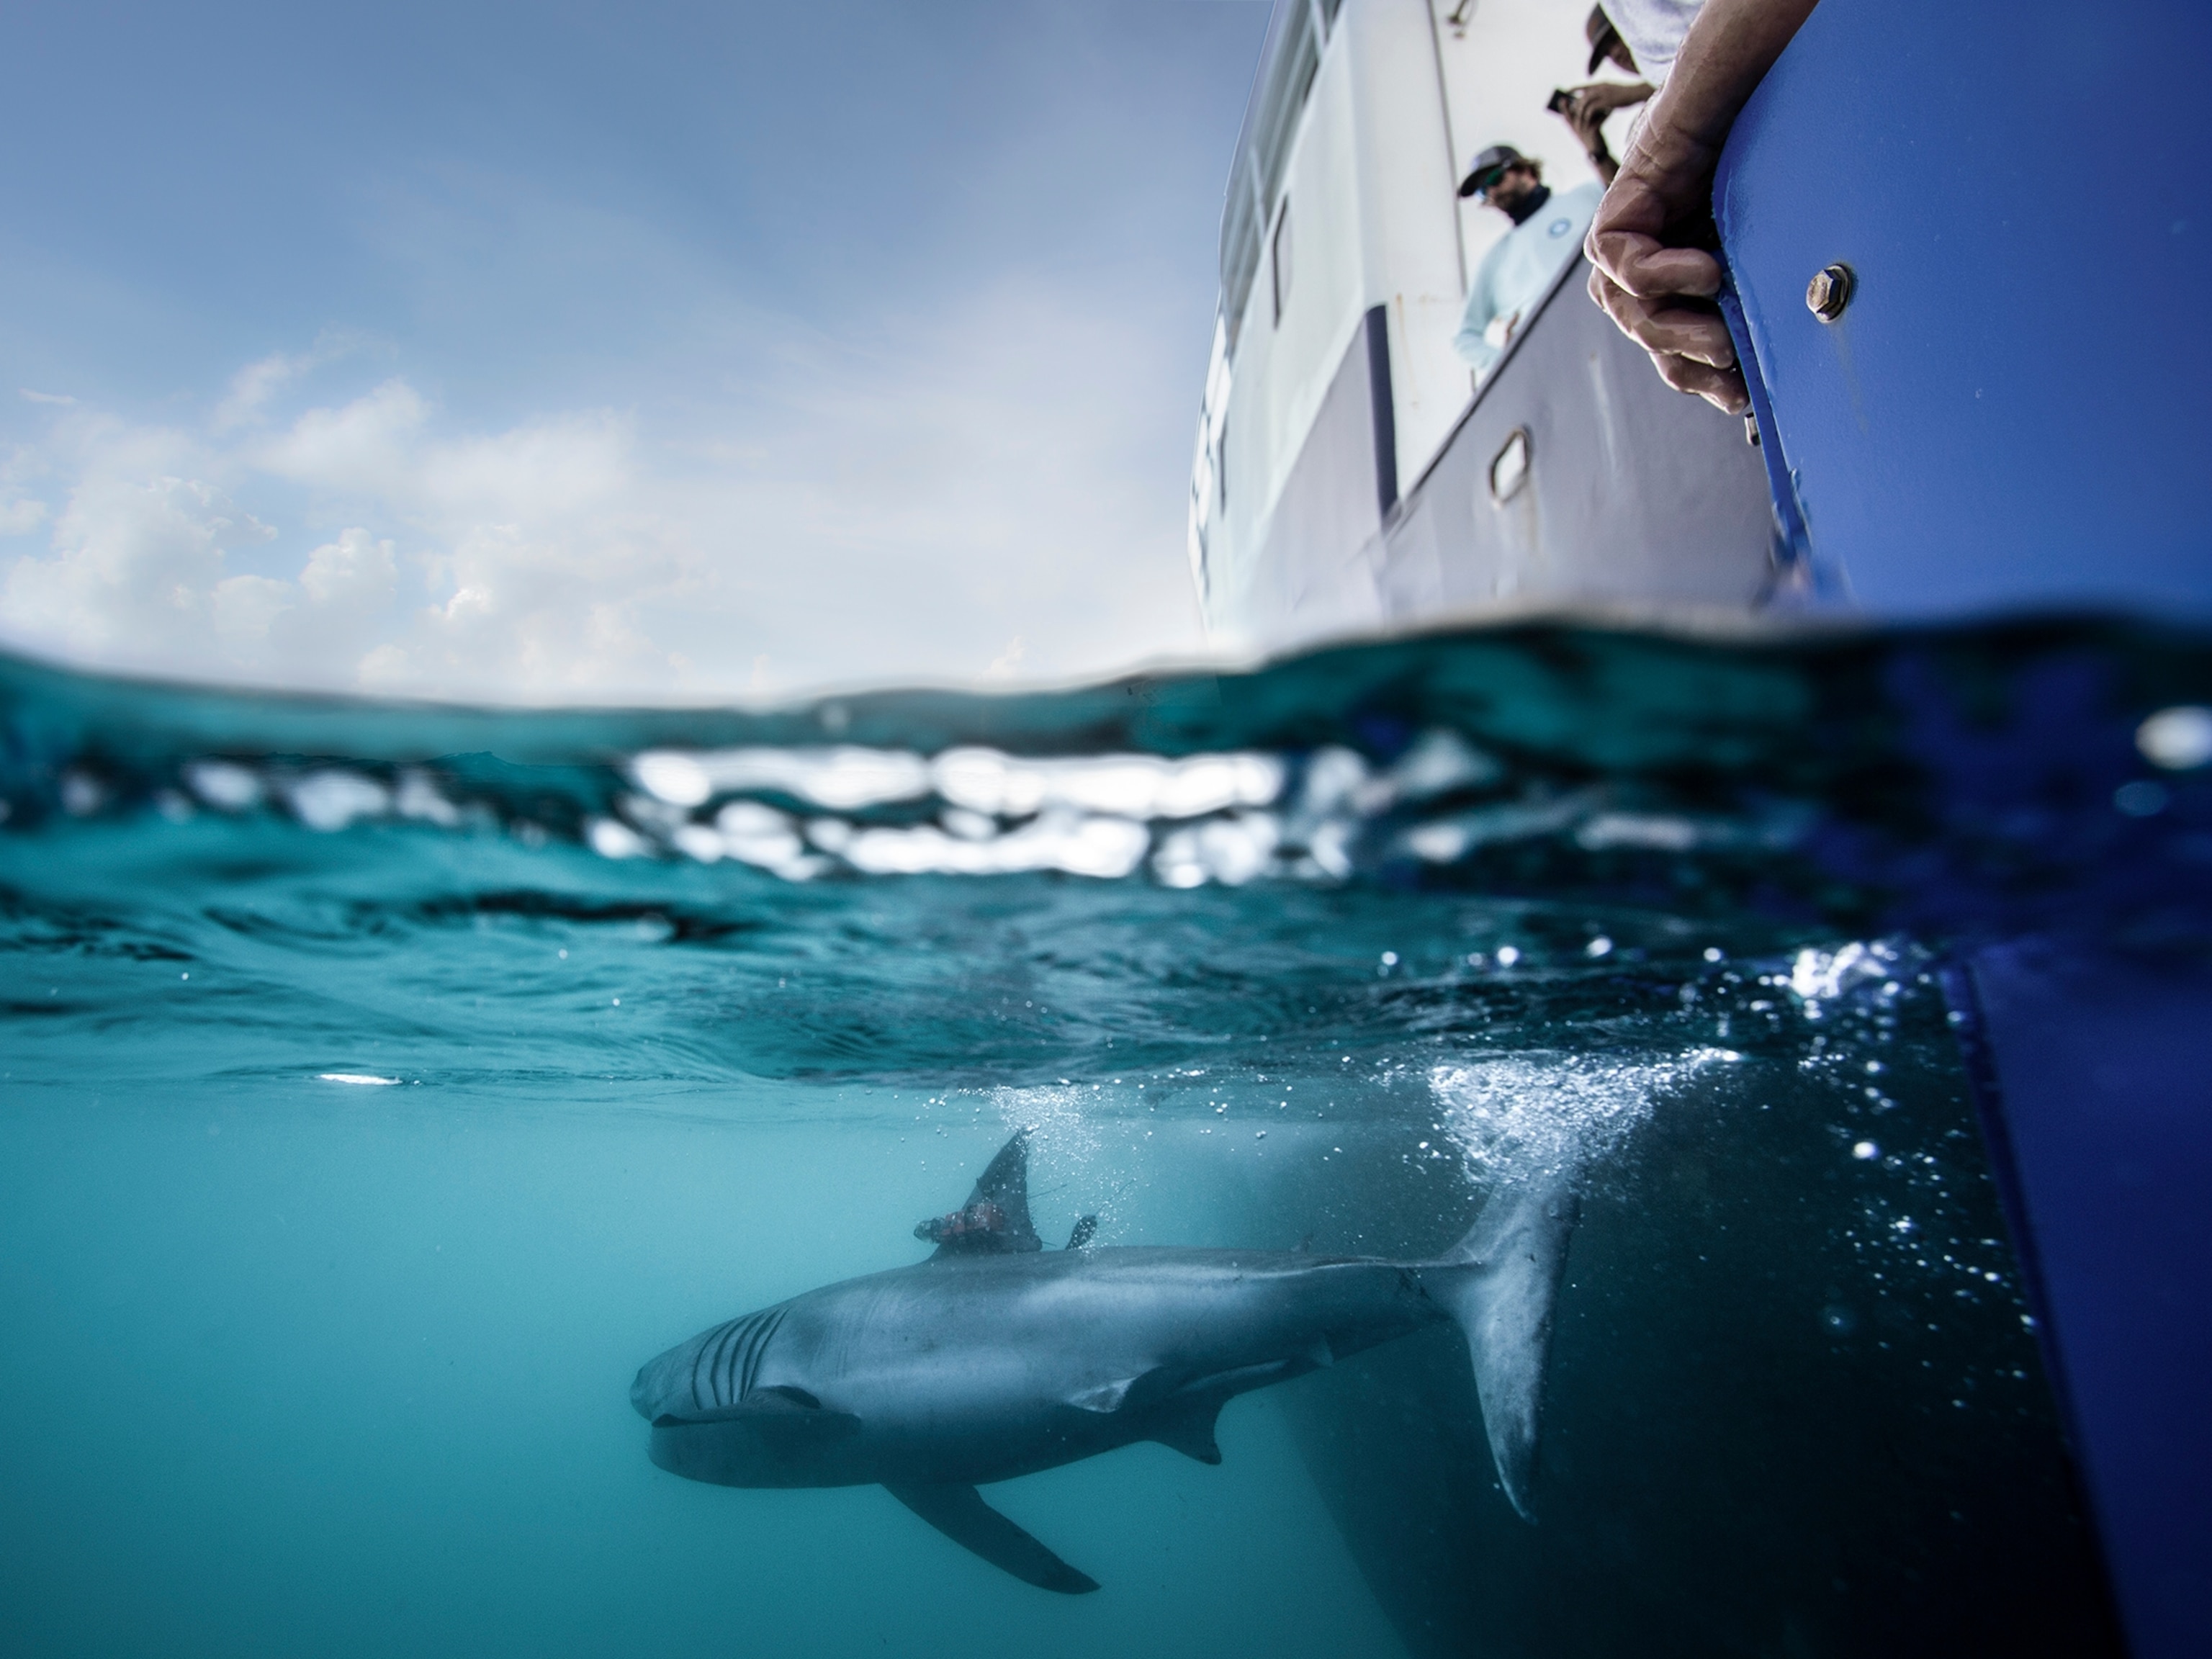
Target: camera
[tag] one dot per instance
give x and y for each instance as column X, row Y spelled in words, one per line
column 1561, row 103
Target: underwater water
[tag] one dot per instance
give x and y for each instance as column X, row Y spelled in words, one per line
column 383, row 1086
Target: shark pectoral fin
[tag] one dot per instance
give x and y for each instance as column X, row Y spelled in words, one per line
column 1185, row 1422
column 961, row 1514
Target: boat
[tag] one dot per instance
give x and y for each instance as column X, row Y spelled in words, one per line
column 1963, row 246
column 1969, row 433
column 1349, row 473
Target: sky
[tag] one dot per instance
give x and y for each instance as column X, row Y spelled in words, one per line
column 562, row 353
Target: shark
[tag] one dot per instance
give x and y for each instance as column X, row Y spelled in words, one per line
column 996, row 1358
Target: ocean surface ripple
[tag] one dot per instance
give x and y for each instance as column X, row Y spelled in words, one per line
column 419, row 1069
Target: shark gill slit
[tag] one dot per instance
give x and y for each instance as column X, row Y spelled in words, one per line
column 729, row 1364
column 738, row 1366
column 718, row 1365
column 757, row 1347
column 709, row 1360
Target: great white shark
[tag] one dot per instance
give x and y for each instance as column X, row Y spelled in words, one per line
column 996, row 1358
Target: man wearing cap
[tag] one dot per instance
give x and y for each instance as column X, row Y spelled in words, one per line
column 1587, row 108
column 1650, row 34
column 1547, row 232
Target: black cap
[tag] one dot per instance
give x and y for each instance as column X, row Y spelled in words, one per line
column 1495, row 159
column 1601, row 35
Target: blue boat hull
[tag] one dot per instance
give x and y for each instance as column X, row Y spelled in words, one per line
column 2010, row 414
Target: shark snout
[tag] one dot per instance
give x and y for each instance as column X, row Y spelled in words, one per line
column 649, row 1391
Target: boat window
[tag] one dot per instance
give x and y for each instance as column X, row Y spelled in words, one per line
column 1288, row 63
column 1280, row 260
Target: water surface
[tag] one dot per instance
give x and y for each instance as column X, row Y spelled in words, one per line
column 383, row 1085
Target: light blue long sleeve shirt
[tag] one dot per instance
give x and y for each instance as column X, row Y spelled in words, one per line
column 1514, row 273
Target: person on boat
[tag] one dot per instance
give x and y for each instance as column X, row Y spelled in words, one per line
column 1547, row 230
column 1587, row 108
column 1646, row 36
column 1647, row 242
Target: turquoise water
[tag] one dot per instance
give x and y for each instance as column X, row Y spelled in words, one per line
column 383, row 1086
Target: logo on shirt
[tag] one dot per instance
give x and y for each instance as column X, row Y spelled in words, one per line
column 1559, row 227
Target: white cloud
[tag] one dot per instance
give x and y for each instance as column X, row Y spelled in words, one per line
column 254, row 386
column 20, row 515
column 365, row 446
column 979, row 501
column 137, row 560
column 287, row 628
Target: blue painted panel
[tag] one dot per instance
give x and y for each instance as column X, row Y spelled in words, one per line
column 2102, row 1068
column 2016, row 408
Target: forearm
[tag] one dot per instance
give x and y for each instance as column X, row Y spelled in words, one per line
column 1472, row 347
column 1471, row 342
column 1664, row 187
column 1728, row 52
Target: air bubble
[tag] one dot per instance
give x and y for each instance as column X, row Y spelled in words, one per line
column 2178, row 738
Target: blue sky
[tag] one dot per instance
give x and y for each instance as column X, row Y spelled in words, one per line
column 562, row 353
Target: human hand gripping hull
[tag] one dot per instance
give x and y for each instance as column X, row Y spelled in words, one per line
column 1647, row 271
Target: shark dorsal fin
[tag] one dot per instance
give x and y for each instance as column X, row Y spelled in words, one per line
column 995, row 1220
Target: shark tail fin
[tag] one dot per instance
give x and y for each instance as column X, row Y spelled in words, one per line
column 1501, row 1282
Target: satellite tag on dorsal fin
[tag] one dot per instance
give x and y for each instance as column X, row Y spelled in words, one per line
column 995, row 1220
